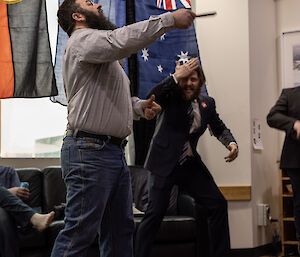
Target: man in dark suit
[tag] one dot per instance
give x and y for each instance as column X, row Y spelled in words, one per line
column 173, row 159
column 285, row 115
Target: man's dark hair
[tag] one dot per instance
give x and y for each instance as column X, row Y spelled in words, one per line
column 93, row 21
column 201, row 76
column 64, row 15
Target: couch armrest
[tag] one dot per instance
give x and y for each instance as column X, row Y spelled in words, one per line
column 187, row 206
column 54, row 188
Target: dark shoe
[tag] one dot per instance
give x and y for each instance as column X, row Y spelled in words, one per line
column 299, row 248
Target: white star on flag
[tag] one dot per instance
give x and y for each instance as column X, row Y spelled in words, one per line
column 160, row 68
column 145, row 54
column 183, row 57
column 163, row 37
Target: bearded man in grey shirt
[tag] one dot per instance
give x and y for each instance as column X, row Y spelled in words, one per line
column 100, row 115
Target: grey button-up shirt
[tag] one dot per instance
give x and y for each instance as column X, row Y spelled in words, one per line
column 97, row 88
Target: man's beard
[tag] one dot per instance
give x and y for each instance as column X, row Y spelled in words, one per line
column 190, row 98
column 95, row 21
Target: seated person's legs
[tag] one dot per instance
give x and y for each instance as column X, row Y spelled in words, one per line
column 14, row 212
column 21, row 212
column 8, row 236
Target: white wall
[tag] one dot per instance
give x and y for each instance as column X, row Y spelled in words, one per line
column 224, row 48
column 263, row 92
column 288, row 16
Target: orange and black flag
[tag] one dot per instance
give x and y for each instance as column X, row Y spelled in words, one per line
column 26, row 69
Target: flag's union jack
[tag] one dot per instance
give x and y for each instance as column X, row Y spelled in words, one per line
column 171, row 4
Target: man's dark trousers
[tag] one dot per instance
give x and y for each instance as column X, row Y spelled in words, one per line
column 294, row 175
column 8, row 236
column 200, row 185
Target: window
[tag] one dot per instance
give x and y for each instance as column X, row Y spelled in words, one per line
column 32, row 127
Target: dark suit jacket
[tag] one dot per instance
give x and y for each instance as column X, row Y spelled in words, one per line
column 172, row 128
column 283, row 116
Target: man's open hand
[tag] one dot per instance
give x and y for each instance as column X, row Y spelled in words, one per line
column 234, row 151
column 184, row 70
column 150, row 108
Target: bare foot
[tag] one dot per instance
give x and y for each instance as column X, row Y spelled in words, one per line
column 41, row 221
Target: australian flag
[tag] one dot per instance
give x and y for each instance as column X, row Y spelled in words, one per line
column 158, row 60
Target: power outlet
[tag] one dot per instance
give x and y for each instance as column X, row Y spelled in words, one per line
column 263, row 213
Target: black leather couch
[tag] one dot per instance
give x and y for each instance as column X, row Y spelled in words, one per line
column 180, row 233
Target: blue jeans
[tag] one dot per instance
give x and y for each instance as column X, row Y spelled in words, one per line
column 99, row 199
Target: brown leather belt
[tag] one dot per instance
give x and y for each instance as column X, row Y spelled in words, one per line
column 81, row 134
